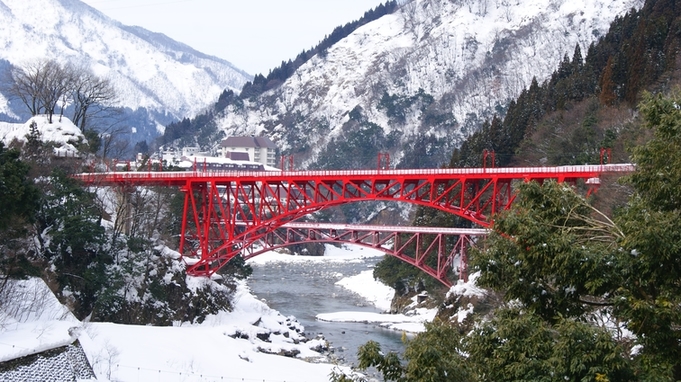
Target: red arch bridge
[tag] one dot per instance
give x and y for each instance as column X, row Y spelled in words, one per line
column 230, row 213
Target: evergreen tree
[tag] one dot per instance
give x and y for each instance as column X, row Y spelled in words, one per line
column 651, row 265
column 77, row 245
column 18, row 204
column 607, row 95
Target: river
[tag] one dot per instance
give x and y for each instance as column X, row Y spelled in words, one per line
column 306, row 288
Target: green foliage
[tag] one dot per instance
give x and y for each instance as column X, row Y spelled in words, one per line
column 370, row 355
column 78, row 244
column 436, row 355
column 404, row 278
column 18, row 195
column 34, row 143
column 18, row 204
column 518, row 345
column 148, row 287
column 657, row 178
column 650, row 297
column 92, row 142
column 432, row 356
column 552, row 251
column 513, row 346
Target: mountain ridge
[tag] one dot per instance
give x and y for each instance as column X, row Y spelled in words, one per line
column 151, row 71
column 419, row 80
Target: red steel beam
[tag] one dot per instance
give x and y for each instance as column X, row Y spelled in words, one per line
column 228, row 211
column 431, row 249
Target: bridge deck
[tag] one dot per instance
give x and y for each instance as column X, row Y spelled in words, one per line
column 218, row 201
column 389, row 228
column 181, row 177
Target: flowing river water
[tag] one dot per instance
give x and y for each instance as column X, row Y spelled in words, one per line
column 305, row 289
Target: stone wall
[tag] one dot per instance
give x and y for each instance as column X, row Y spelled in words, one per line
column 66, row 363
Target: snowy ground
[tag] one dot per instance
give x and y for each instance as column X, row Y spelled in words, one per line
column 62, row 132
column 195, row 352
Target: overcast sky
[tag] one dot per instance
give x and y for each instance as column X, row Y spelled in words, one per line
column 254, row 35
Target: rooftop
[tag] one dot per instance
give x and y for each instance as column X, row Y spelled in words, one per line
column 256, row 142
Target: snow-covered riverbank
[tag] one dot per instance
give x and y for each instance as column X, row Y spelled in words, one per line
column 227, row 346
column 365, row 286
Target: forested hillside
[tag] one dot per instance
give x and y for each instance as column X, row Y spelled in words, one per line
column 414, row 82
column 589, row 103
column 203, row 125
column 579, row 289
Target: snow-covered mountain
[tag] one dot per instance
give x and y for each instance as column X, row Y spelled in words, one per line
column 154, row 76
column 415, row 82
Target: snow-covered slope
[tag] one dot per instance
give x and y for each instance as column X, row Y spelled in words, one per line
column 62, row 133
column 418, row 80
column 149, row 70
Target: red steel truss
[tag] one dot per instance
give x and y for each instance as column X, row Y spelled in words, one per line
column 226, row 212
column 435, row 250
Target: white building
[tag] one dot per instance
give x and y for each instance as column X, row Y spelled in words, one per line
column 259, row 149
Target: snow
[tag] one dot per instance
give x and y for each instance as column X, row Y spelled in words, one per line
column 467, row 289
column 61, row 131
column 401, row 322
column 34, row 320
column 468, row 58
column 148, row 69
column 362, row 284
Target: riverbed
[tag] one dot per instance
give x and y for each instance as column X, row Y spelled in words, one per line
column 305, row 287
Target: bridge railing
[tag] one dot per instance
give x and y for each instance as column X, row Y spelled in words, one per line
column 170, row 176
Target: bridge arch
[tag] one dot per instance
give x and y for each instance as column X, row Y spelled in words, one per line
column 228, row 218
column 228, row 211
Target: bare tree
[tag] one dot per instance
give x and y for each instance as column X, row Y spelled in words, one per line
column 58, row 83
column 89, row 91
column 507, row 11
column 409, row 12
column 482, row 7
column 42, row 85
column 114, row 143
column 26, row 84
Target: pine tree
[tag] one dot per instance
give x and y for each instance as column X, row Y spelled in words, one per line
column 18, row 204
column 607, row 85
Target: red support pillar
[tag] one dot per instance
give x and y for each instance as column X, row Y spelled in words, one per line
column 488, row 154
column 286, row 163
column 606, row 155
column 383, row 161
